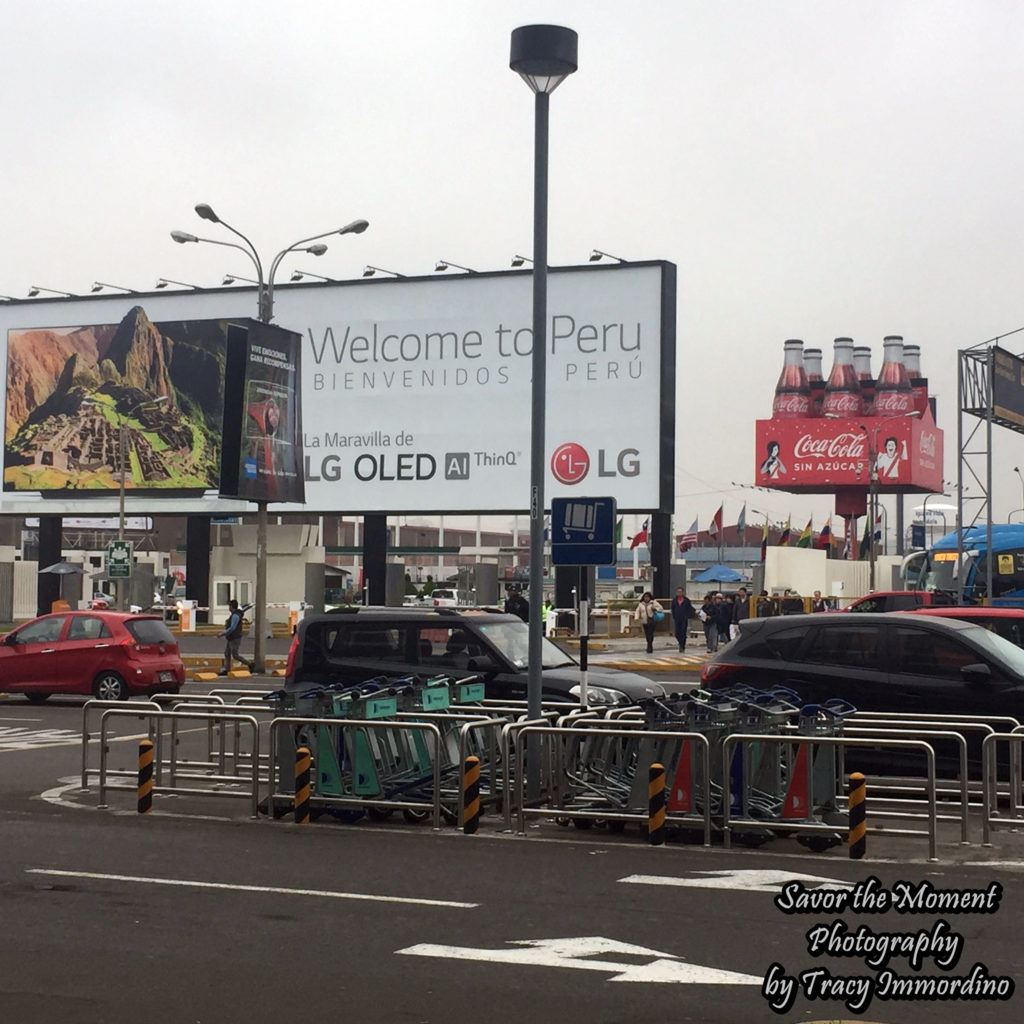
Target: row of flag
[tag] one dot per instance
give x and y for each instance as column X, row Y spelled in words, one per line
column 825, row 539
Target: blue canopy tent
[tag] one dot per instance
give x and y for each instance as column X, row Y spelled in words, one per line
column 719, row 574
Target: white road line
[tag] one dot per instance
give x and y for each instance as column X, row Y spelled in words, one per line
column 188, row 883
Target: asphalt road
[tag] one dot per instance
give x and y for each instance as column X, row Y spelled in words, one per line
column 211, row 917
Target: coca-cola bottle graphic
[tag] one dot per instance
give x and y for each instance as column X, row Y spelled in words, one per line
column 812, row 367
column 842, row 393
column 792, row 393
column 919, row 384
column 862, row 364
column 893, row 393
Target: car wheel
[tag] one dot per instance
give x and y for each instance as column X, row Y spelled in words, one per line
column 37, row 698
column 110, row 686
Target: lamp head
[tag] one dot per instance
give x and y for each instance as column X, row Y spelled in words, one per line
column 544, row 55
column 441, row 265
column 357, row 227
column 183, row 236
column 162, row 283
column 206, row 212
column 96, row 287
column 595, row 256
column 228, row 279
column 369, row 271
column 33, row 291
column 317, row 250
column 296, row 275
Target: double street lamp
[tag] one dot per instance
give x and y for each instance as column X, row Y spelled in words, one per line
column 265, row 300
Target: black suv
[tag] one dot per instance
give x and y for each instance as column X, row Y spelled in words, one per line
column 352, row 645
column 877, row 662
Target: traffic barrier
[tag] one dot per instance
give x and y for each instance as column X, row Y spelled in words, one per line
column 302, row 766
column 471, row 796
column 858, row 816
column 656, row 805
column 145, row 801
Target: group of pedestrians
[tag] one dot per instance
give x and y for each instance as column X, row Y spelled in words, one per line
column 719, row 615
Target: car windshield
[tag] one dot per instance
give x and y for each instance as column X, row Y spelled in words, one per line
column 513, row 640
column 1000, row 648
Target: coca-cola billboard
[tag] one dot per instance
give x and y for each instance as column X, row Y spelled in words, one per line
column 820, row 454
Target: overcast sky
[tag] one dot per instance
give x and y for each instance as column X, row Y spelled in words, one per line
column 813, row 169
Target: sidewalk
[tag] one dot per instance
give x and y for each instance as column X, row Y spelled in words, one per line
column 630, row 653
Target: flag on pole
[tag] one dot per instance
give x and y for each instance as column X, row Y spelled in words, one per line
column 715, row 529
column 764, row 541
column 878, row 527
column 618, row 533
column 865, row 541
column 741, row 523
column 641, row 537
column 807, row 536
column 825, row 537
column 784, row 539
column 689, row 539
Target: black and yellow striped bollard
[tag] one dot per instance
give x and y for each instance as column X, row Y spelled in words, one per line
column 471, row 796
column 145, row 776
column 858, row 816
column 302, row 765
column 656, row 805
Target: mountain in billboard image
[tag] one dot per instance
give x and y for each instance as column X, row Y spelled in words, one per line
column 70, row 390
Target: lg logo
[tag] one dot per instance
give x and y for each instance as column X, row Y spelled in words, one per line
column 570, row 463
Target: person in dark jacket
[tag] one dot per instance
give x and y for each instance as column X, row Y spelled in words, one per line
column 682, row 612
column 518, row 605
column 723, row 619
column 232, row 633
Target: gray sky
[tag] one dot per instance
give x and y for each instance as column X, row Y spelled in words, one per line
column 814, row 170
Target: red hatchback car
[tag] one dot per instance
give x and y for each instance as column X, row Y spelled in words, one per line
column 110, row 655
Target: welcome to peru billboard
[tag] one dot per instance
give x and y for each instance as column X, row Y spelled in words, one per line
column 415, row 393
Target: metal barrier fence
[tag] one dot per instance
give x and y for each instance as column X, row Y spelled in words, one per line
column 214, row 782
column 611, row 783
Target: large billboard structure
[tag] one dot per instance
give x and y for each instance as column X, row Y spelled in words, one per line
column 415, row 393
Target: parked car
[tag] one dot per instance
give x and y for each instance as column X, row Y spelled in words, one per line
column 900, row 600
column 354, row 645
column 1005, row 622
column 877, row 662
column 101, row 601
column 442, row 597
column 110, row 655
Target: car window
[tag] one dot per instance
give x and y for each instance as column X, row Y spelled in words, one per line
column 870, row 604
column 922, row 653
column 900, row 602
column 784, row 644
column 42, row 632
column 451, row 649
column 853, row 645
column 87, row 627
column 149, row 631
column 368, row 641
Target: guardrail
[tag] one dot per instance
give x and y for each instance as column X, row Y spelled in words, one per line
column 156, row 718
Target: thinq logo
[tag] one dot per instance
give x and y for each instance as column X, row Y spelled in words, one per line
column 570, row 463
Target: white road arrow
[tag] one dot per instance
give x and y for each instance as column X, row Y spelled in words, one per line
column 747, row 880
column 578, row 953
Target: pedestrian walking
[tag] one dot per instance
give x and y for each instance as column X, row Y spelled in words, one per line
column 682, row 612
column 647, row 613
column 723, row 618
column 709, row 620
column 740, row 611
column 232, row 633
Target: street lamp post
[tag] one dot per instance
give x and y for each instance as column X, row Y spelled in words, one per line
column 265, row 299
column 543, row 55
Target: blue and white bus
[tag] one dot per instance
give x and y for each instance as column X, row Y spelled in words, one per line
column 942, row 567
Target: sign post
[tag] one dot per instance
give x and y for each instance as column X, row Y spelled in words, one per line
column 583, row 534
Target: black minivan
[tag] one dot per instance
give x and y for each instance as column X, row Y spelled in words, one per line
column 877, row 662
column 353, row 645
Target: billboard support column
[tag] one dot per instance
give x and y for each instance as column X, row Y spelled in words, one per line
column 375, row 557
column 661, row 553
column 197, row 563
column 50, row 542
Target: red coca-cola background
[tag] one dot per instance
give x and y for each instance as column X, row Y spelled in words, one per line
column 820, row 454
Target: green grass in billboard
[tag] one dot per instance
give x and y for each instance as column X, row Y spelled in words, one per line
column 73, row 391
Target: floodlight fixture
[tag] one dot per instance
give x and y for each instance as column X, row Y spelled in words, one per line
column 369, row 271
column 445, row 264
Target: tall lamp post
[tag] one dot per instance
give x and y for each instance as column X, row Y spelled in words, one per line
column 265, row 299
column 544, row 56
